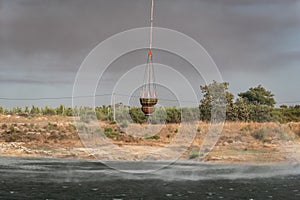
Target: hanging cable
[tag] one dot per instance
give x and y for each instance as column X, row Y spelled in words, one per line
column 148, row 99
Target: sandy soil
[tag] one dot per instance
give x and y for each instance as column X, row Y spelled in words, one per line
column 239, row 142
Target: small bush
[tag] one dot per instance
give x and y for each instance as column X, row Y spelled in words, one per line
column 51, row 126
column 259, row 134
column 194, row 154
column 12, row 137
column 108, row 130
column 48, row 111
column 72, row 128
column 12, row 128
column 110, row 133
column 154, row 137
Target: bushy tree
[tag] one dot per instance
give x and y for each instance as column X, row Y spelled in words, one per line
column 258, row 95
column 256, row 104
column 35, row 110
column 242, row 110
column 60, row 110
column 104, row 113
column 137, row 115
column 215, row 98
column 68, row 112
column 26, row 110
column 286, row 114
column 48, row 111
column 16, row 110
column 173, row 115
column 260, row 113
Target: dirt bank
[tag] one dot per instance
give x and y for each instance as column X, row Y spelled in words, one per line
column 56, row 136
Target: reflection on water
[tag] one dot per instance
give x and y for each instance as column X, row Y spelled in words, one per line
column 66, row 179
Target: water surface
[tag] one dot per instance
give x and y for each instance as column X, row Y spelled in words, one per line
column 24, row 178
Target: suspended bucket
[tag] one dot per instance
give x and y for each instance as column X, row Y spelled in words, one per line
column 148, row 105
column 148, row 97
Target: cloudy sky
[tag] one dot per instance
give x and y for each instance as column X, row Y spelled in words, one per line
column 44, row 42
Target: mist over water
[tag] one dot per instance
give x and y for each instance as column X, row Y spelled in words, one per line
column 64, row 169
column 85, row 179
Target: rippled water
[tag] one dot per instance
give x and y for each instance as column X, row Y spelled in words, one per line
column 80, row 179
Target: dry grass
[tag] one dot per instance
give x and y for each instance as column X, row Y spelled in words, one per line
column 238, row 142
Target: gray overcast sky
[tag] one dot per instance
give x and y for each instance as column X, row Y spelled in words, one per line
column 43, row 42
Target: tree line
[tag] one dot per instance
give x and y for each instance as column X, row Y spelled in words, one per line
column 256, row 104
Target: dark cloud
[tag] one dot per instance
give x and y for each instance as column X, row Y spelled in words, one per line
column 54, row 36
column 68, row 30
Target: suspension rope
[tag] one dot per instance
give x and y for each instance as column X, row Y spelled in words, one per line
column 151, row 27
column 149, row 88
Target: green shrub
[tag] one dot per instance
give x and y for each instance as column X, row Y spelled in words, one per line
column 104, row 113
column 35, row 110
column 60, row 110
column 72, row 127
column 154, row 137
column 110, row 133
column 137, row 115
column 173, row 115
column 50, row 126
column 48, row 111
column 194, row 154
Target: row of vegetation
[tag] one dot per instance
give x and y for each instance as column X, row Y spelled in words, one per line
column 257, row 105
